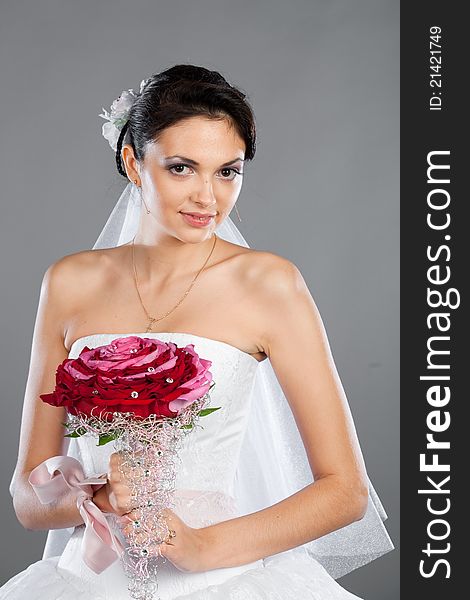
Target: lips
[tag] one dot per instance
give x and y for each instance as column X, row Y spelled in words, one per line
column 194, row 214
column 194, row 220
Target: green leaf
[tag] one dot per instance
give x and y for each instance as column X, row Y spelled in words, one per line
column 105, row 438
column 207, row 411
column 186, row 426
column 77, row 433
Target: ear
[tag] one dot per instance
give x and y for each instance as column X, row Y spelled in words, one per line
column 131, row 164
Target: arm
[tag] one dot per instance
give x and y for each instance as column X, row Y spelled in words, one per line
column 42, row 432
column 292, row 326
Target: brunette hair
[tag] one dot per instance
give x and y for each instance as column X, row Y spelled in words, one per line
column 180, row 92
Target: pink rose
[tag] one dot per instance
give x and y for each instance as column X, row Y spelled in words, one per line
column 131, row 374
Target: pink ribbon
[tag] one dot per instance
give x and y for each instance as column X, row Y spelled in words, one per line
column 59, row 474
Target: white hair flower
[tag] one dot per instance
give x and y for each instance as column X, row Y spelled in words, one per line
column 118, row 114
column 143, row 83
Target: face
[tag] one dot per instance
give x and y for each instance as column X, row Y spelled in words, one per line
column 196, row 166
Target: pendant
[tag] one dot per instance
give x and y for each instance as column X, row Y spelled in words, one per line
column 149, row 326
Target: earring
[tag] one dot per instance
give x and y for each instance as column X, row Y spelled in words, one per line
column 141, row 197
column 238, row 214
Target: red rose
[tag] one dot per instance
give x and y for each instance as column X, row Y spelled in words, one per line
column 131, row 374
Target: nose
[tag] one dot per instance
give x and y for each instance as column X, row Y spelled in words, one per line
column 205, row 194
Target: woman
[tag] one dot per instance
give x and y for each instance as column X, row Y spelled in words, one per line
column 182, row 143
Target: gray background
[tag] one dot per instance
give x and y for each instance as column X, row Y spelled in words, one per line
column 323, row 77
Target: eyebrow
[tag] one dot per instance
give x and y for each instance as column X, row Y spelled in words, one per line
column 196, row 164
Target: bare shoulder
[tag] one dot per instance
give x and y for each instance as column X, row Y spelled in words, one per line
column 74, row 269
column 271, row 283
column 73, row 276
column 270, row 273
column 276, row 295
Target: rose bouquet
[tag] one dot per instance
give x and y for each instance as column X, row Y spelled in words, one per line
column 144, row 395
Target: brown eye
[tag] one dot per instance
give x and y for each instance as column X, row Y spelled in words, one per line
column 230, row 170
column 178, row 166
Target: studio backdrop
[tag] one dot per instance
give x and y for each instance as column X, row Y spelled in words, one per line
column 323, row 79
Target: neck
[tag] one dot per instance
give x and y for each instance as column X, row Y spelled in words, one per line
column 164, row 254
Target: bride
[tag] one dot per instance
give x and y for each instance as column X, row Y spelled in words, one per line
column 171, row 264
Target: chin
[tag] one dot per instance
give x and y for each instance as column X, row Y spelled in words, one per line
column 193, row 235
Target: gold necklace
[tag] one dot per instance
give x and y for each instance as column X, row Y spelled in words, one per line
column 152, row 320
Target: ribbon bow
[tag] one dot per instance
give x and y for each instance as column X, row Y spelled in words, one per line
column 59, row 474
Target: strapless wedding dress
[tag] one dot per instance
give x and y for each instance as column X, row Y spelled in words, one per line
column 204, row 495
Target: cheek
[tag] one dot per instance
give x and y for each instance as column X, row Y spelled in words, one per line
column 165, row 195
column 227, row 192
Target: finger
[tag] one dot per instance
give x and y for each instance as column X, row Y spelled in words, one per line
column 126, row 518
column 141, row 538
column 164, row 549
column 138, row 500
column 134, row 526
column 169, row 513
column 134, row 459
column 125, row 463
column 142, row 534
column 134, row 520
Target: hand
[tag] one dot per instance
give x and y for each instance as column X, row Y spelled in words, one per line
column 114, row 497
column 100, row 498
column 186, row 550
